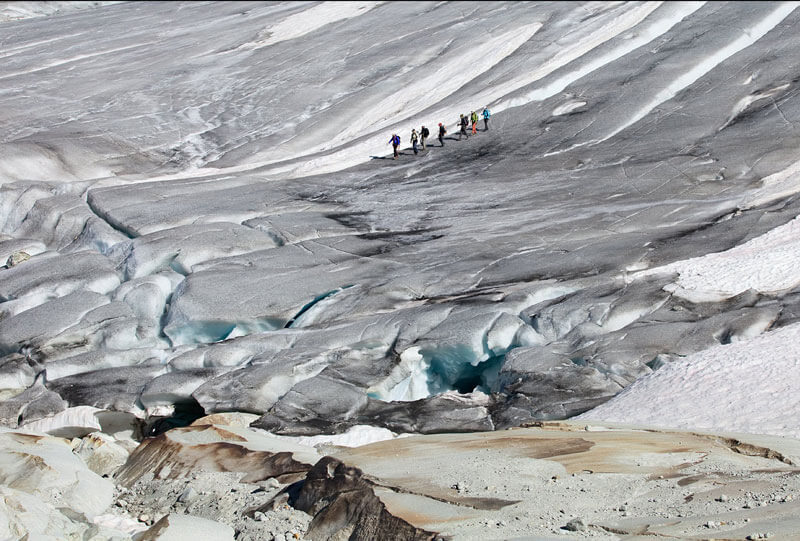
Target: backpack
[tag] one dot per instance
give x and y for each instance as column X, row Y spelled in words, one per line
column 396, row 140
column 425, row 132
column 486, row 113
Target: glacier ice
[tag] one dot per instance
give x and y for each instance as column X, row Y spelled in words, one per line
column 213, row 223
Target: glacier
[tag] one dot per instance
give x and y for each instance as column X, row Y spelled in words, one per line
column 210, row 221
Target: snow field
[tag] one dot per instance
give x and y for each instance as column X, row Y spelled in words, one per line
column 767, row 264
column 776, row 186
column 748, row 386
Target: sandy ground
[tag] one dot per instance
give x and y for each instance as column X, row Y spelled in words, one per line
column 557, row 481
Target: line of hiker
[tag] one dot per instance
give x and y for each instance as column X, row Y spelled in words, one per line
column 424, row 133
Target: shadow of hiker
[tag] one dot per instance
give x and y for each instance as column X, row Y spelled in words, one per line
column 390, row 157
column 409, row 151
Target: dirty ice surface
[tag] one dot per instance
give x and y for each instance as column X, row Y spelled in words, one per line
column 200, row 213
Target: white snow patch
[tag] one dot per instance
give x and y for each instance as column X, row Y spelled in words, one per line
column 745, row 102
column 776, row 186
column 79, row 421
column 568, row 107
column 503, row 334
column 120, row 523
column 309, row 20
column 767, row 264
column 748, row 386
column 34, row 162
column 355, row 437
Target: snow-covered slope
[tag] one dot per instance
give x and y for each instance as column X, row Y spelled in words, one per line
column 745, row 386
column 203, row 215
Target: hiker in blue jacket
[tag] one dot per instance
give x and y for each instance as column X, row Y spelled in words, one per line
column 395, row 142
column 486, row 115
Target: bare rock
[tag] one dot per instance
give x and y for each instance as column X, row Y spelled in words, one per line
column 576, row 525
column 341, row 499
column 101, row 453
column 16, row 258
column 181, row 451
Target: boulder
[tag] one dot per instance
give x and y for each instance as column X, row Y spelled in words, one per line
column 16, row 258
column 101, row 453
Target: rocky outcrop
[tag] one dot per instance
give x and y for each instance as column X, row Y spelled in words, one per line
column 345, row 507
column 101, row 453
column 181, row 451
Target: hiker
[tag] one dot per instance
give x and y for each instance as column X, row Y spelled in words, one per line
column 473, row 117
column 486, row 115
column 442, row 131
column 463, row 123
column 395, row 142
column 414, row 139
column 424, row 133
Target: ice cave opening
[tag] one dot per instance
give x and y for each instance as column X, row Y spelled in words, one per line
column 448, row 374
column 423, row 373
column 183, row 414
